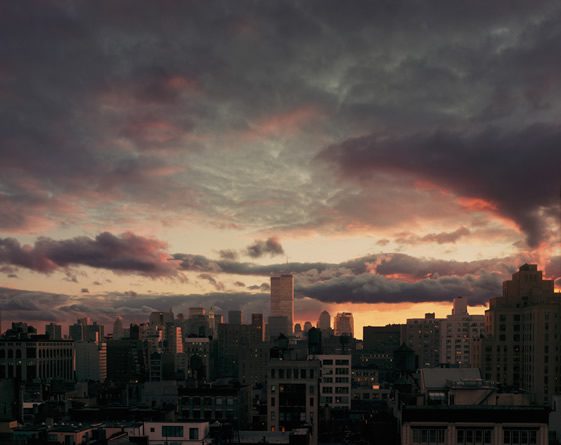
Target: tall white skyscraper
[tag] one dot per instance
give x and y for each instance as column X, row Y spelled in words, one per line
column 282, row 298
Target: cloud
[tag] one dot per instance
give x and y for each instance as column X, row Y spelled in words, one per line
column 439, row 238
column 368, row 288
column 451, row 158
column 105, row 128
column 263, row 287
column 553, row 267
column 270, row 246
column 125, row 253
column 228, row 254
column 213, row 281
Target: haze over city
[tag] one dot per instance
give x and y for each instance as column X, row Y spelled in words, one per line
column 390, row 155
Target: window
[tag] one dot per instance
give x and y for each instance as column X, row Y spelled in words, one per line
column 172, row 431
column 341, row 362
column 520, row 436
column 193, row 433
column 428, row 436
column 475, row 436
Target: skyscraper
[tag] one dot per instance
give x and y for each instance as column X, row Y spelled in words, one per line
column 235, row 317
column 324, row 321
column 53, row 331
column 423, row 336
column 282, row 298
column 344, row 324
column 118, row 330
column 258, row 323
column 521, row 344
column 457, row 333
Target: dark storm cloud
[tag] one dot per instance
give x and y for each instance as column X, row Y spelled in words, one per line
column 516, row 171
column 102, row 101
column 270, row 246
column 368, row 288
column 125, row 253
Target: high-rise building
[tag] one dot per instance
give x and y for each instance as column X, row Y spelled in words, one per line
column 344, row 324
column 521, row 343
column 278, row 325
column 127, row 360
column 26, row 356
column 53, row 331
column 324, row 322
column 235, row 317
column 382, row 341
column 174, row 339
column 91, row 361
column 258, row 322
column 292, row 396
column 195, row 311
column 423, row 336
column 78, row 330
column 457, row 333
column 118, row 330
column 282, row 298
column 85, row 330
column 335, row 382
column 161, row 318
column 198, row 358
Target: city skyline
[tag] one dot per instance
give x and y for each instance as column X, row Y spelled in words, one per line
column 392, row 158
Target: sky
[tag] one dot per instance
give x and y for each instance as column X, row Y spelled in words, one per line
column 391, row 154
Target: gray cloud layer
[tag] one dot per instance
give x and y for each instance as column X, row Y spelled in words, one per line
column 126, row 253
column 111, row 103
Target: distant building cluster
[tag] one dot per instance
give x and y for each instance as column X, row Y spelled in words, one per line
column 207, row 377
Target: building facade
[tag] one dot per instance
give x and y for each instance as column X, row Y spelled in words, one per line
column 520, row 347
column 335, row 381
column 30, row 359
column 457, row 333
column 423, row 336
column 282, row 298
column 344, row 324
column 292, row 395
